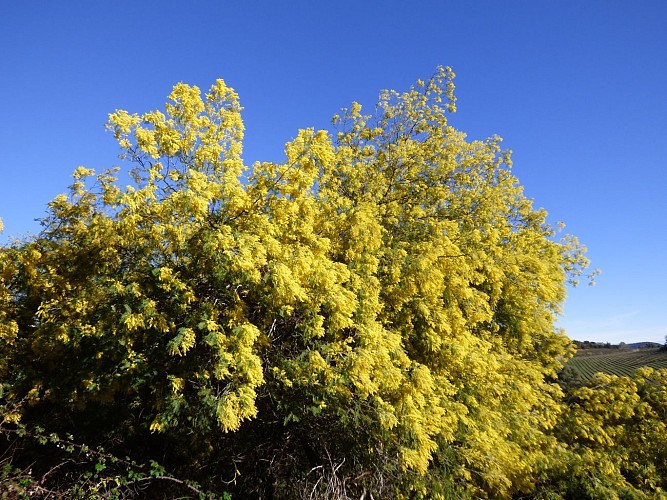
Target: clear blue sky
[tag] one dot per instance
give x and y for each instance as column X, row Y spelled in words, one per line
column 576, row 88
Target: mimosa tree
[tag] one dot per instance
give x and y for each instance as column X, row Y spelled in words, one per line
column 374, row 314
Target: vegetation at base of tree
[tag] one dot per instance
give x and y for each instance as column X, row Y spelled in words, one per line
column 371, row 318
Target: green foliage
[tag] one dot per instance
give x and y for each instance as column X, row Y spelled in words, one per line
column 65, row 468
column 375, row 315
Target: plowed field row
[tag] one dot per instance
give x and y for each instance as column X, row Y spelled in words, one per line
column 622, row 363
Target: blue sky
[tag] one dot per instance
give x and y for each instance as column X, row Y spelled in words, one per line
column 576, row 89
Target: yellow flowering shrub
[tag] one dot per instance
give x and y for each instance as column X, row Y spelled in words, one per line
column 380, row 305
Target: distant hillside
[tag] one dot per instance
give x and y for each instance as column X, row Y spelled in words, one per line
column 587, row 344
column 644, row 345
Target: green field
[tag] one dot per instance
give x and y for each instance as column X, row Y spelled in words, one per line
column 615, row 362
